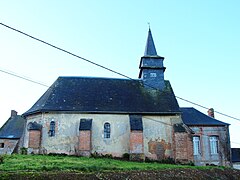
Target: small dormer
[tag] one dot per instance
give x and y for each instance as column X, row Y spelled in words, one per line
column 151, row 66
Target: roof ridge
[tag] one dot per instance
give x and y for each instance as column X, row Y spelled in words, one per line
column 95, row 77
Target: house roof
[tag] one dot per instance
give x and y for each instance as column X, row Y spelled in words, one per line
column 105, row 95
column 191, row 116
column 13, row 128
column 235, row 154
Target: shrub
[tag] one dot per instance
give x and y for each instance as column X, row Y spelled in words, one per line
column 23, row 150
column 57, row 154
column 163, row 161
column 168, row 161
column 126, row 156
column 96, row 155
column 107, row 156
column 1, row 159
column 100, row 155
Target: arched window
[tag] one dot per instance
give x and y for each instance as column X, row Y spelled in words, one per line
column 107, row 130
column 52, row 129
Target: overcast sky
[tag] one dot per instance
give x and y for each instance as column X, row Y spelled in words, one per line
column 200, row 41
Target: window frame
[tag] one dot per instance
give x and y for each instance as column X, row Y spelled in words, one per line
column 107, row 130
column 52, row 128
column 2, row 145
column 196, row 145
column 153, row 74
column 214, row 144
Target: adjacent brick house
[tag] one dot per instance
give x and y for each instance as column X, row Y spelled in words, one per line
column 11, row 134
column 211, row 140
column 141, row 117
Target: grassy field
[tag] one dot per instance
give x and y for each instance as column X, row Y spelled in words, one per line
column 84, row 164
column 69, row 167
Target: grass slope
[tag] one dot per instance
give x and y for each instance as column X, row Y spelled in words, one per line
column 77, row 164
column 24, row 167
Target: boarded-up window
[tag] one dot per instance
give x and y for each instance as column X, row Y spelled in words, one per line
column 34, row 139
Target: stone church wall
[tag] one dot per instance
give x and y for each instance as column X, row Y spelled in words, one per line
column 118, row 143
column 66, row 138
column 158, row 136
column 156, row 139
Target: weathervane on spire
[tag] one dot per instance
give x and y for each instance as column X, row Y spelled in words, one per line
column 149, row 25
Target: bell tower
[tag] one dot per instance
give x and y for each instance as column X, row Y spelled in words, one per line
column 151, row 66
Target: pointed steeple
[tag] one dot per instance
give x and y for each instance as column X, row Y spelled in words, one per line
column 151, row 66
column 150, row 49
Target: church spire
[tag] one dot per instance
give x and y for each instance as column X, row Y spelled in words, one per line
column 150, row 49
column 151, row 66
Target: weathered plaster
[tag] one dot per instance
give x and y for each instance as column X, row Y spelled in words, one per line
column 118, row 143
column 157, row 133
column 67, row 133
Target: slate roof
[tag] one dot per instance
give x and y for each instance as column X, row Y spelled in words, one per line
column 235, row 154
column 191, row 116
column 13, row 128
column 85, row 124
column 150, row 49
column 34, row 126
column 105, row 95
column 179, row 128
column 136, row 123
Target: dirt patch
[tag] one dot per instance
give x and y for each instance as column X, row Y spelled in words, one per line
column 167, row 174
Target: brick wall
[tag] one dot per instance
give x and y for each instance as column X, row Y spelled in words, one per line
column 183, row 147
column 136, row 145
column 85, row 143
column 136, row 142
column 34, row 139
column 159, row 149
column 9, row 146
column 223, row 157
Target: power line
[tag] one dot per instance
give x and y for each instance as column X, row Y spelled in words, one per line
column 235, row 143
column 207, row 108
column 68, row 52
column 101, row 66
column 21, row 77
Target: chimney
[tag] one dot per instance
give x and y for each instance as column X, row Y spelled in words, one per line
column 211, row 112
column 13, row 113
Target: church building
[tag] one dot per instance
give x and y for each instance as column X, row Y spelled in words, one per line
column 140, row 117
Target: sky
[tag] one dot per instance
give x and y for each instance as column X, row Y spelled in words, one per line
column 200, row 41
